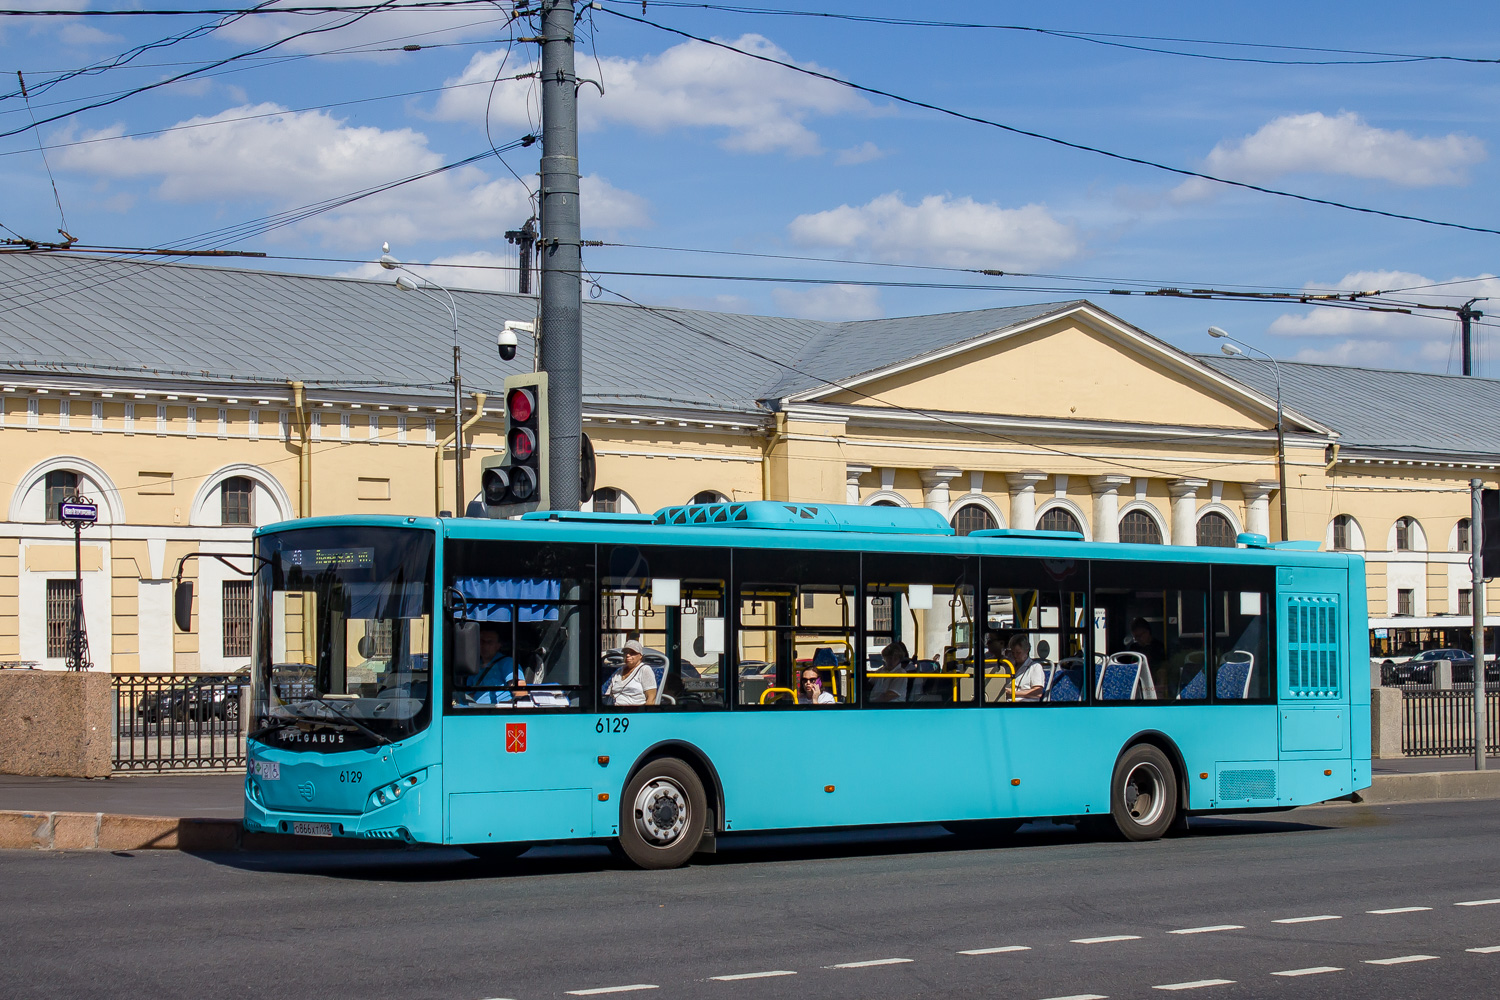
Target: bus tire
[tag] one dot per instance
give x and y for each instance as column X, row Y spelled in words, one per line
column 983, row 831
column 662, row 814
column 1143, row 793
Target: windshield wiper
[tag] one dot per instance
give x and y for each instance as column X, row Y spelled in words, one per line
column 332, row 705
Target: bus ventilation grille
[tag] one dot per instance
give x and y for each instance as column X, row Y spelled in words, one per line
column 704, row 513
column 1235, row 785
column 389, row 833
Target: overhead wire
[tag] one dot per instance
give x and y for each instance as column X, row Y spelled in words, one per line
column 1015, row 130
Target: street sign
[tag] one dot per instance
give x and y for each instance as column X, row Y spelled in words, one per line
column 81, row 513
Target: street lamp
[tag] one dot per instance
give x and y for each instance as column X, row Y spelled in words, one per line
column 1235, row 348
column 410, row 281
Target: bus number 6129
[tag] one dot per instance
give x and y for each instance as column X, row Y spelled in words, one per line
column 615, row 725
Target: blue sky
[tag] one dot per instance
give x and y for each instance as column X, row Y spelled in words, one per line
column 701, row 148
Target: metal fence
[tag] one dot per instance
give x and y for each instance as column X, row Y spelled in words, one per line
column 178, row 722
column 1441, row 723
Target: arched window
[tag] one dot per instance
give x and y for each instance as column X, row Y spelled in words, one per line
column 1406, row 534
column 611, row 500
column 709, row 496
column 1215, row 530
column 1465, row 535
column 972, row 517
column 1139, row 528
column 60, row 486
column 1060, row 519
column 237, row 501
column 1343, row 532
column 885, row 503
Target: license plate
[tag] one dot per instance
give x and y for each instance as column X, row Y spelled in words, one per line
column 266, row 770
column 313, row 829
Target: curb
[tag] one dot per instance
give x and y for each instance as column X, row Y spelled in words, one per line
column 78, row 831
column 74, row 831
column 1428, row 786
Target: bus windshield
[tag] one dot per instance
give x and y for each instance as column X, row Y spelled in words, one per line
column 343, row 637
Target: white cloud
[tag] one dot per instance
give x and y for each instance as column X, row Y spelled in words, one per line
column 959, row 232
column 830, row 302
column 761, row 108
column 83, row 34
column 1324, row 321
column 291, row 159
column 865, row 152
column 1343, row 145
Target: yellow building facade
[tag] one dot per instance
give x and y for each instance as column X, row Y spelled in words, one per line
column 1057, row 416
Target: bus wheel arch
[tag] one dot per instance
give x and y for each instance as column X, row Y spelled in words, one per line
column 699, row 762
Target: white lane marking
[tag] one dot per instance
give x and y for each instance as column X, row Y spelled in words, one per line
column 1196, row 984
column 873, row 961
column 1401, row 960
column 1107, row 940
column 612, row 989
column 1209, row 930
column 1307, row 920
column 1479, row 902
column 751, row 975
column 1082, row 996
column 1492, row 949
column 1400, row 909
column 1316, row 970
column 996, row 951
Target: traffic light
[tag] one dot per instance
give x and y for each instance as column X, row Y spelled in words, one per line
column 1489, row 551
column 516, row 482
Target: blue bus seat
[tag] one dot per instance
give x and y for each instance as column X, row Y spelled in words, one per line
column 1064, row 688
column 1195, row 689
column 1233, row 679
column 1120, row 678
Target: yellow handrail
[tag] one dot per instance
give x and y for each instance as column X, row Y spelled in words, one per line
column 770, row 691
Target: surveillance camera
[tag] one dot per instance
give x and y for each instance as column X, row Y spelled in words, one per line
column 507, row 337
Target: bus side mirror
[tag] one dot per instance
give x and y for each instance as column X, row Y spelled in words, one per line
column 466, row 648
column 183, row 596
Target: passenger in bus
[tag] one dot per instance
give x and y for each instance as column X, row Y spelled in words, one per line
column 810, row 689
column 1031, row 674
column 498, row 671
column 635, row 682
column 1144, row 641
column 894, row 659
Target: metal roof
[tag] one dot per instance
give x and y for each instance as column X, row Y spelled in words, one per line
column 1438, row 415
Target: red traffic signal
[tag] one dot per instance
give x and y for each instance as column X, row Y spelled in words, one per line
column 520, row 404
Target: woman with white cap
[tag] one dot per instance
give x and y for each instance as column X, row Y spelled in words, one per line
column 635, row 682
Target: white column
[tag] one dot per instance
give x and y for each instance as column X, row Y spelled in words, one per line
column 1023, row 498
column 935, row 487
column 1107, row 506
column 1258, row 506
column 1185, row 510
column 851, row 482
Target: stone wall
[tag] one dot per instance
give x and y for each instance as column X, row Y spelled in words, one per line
column 55, row 723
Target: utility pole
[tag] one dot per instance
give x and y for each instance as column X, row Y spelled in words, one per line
column 561, row 254
column 1466, row 314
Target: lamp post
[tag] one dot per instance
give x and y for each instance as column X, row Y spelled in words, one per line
column 1235, row 348
column 410, row 281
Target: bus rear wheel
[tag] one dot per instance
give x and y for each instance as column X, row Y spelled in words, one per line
column 662, row 814
column 1143, row 793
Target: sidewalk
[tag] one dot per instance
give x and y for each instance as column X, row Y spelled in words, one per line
column 1417, row 765
column 217, row 795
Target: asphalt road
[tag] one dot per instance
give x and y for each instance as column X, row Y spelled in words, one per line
column 908, row 913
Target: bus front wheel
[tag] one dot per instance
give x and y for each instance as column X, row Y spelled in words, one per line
column 1143, row 793
column 662, row 814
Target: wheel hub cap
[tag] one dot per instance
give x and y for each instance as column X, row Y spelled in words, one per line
column 1143, row 794
column 661, row 811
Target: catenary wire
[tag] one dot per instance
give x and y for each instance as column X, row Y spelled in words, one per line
column 1098, row 151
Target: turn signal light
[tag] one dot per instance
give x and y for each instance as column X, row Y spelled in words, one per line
column 827, row 788
column 603, row 760
column 1203, row 774
column 1015, row 781
column 603, row 796
column 1327, row 774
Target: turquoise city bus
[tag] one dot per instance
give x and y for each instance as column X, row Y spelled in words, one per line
column 655, row 682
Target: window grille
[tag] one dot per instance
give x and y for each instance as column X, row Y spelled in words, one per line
column 607, row 500
column 236, row 501
column 1343, row 533
column 1405, row 601
column 1465, row 535
column 1406, row 531
column 1465, row 601
column 972, row 517
column 62, row 596
column 1139, row 528
column 1060, row 519
column 60, row 486
column 1312, row 647
column 1215, row 531
column 237, row 618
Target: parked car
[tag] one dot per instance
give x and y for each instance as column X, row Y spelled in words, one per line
column 202, row 698
column 1418, row 669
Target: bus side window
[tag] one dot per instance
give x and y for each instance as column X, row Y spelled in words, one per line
column 919, row 627
column 789, row 630
column 1242, row 625
column 1035, row 635
column 1151, row 623
column 671, row 601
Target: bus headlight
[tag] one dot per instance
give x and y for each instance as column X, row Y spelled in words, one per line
column 386, row 794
